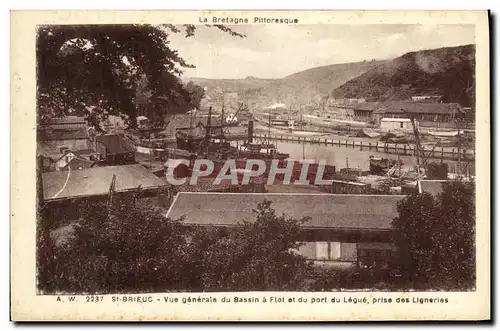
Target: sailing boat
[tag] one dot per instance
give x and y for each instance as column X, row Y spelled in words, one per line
column 190, row 138
column 263, row 150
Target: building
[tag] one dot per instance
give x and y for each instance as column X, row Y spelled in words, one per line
column 114, row 122
column 343, row 231
column 434, row 187
column 362, row 111
column 60, row 134
column 395, row 124
column 63, row 123
column 73, row 160
column 96, row 181
column 426, row 113
column 216, row 126
column 426, row 98
column 65, row 192
column 115, row 150
column 78, row 163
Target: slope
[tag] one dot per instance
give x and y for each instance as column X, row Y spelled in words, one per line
column 303, row 87
column 448, row 72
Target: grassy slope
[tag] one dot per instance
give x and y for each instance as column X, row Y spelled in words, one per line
column 301, row 87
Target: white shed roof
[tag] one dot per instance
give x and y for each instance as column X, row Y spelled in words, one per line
column 395, row 120
column 277, row 106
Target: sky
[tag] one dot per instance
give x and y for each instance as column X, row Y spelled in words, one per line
column 275, row 51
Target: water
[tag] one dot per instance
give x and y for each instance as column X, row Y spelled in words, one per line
column 342, row 156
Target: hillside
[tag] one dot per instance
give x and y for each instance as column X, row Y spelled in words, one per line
column 303, row 87
column 448, row 72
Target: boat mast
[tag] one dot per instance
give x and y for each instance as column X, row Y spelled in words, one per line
column 269, row 129
column 459, row 171
column 223, row 121
column 209, row 128
column 417, row 151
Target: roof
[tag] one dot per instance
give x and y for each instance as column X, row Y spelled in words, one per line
column 304, row 188
column 115, row 144
column 433, row 187
column 96, row 181
column 396, row 120
column 47, row 151
column 277, row 106
column 214, row 120
column 367, row 106
column 66, row 120
column 418, row 107
column 75, row 133
column 325, row 210
column 79, row 162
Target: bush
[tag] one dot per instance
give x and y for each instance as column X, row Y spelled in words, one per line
column 435, row 236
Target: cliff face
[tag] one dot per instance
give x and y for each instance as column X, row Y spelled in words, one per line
column 448, row 72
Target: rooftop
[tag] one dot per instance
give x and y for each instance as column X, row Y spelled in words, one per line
column 418, row 107
column 66, row 120
column 325, row 210
column 75, row 133
column 433, row 187
column 395, row 120
column 96, row 181
column 115, row 144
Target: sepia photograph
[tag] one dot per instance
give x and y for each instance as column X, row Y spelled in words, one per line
column 255, row 154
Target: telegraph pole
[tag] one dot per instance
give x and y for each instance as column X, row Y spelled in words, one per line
column 459, row 170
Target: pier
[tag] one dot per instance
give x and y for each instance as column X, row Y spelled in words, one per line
column 443, row 153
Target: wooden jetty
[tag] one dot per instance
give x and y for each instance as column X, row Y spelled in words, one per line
column 444, row 153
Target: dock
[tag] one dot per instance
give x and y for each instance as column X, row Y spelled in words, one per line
column 444, row 153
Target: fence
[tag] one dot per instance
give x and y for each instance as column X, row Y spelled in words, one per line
column 448, row 153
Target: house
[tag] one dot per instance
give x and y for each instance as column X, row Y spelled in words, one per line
column 395, row 124
column 63, row 123
column 359, row 111
column 96, row 181
column 58, row 135
column 65, row 192
column 114, row 149
column 343, row 231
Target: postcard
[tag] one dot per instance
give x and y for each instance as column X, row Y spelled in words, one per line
column 250, row 165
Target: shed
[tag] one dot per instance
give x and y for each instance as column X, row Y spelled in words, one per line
column 395, row 124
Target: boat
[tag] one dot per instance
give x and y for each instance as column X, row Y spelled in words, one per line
column 445, row 133
column 189, row 140
column 367, row 132
column 380, row 166
column 260, row 151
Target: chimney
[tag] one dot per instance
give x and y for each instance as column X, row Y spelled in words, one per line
column 250, row 131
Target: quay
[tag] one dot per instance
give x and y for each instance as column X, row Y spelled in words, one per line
column 444, row 153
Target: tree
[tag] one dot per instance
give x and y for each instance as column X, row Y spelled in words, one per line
column 131, row 248
column 254, row 256
column 123, row 248
column 435, row 237
column 100, row 66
